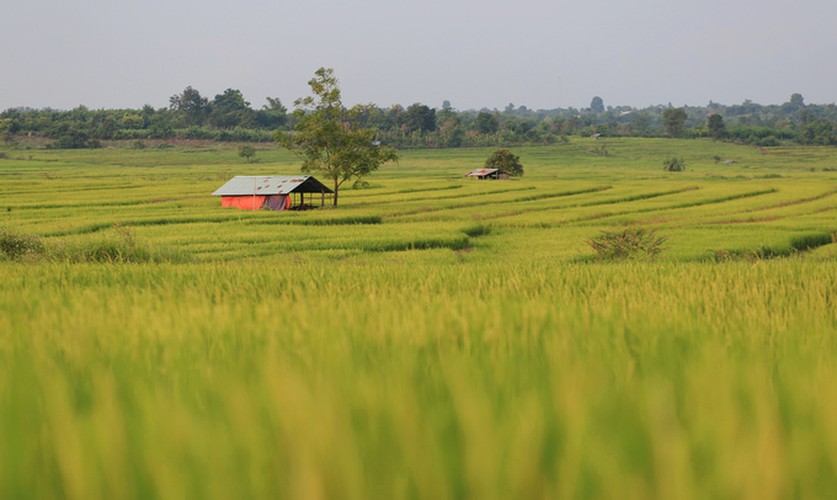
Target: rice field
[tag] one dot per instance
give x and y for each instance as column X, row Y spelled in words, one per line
column 432, row 337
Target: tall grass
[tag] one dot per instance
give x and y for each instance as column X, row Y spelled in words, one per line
column 431, row 381
column 154, row 345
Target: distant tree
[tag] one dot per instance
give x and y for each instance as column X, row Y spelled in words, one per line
column 506, row 162
column 597, row 105
column 673, row 121
column 450, row 131
column 160, row 125
column 394, row 118
column 247, row 152
column 641, row 124
column 819, row 132
column 133, row 121
column 715, row 125
column 191, row 105
column 7, row 130
column 272, row 115
column 229, row 110
column 797, row 101
column 327, row 140
column 674, row 164
column 420, row 117
column 487, row 123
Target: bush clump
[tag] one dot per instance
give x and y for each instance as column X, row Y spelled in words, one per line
column 477, row 230
column 674, row 164
column 16, row 246
column 120, row 248
column 627, row 244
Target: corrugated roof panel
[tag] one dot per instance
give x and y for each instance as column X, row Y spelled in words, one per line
column 481, row 171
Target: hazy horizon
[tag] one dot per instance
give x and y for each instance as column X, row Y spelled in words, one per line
column 538, row 54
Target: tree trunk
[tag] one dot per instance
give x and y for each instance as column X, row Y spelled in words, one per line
column 336, row 187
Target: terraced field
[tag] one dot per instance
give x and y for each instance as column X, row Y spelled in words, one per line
column 432, row 337
column 568, row 194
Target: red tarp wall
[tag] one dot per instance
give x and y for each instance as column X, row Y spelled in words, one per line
column 243, row 202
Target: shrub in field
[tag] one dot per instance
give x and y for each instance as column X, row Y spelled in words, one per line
column 674, row 164
column 121, row 248
column 629, row 243
column 798, row 244
column 477, row 230
column 810, row 241
column 16, row 245
column 247, row 152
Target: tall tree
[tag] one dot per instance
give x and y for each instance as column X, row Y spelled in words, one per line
column 487, row 123
column 420, row 117
column 273, row 115
column 597, row 105
column 191, row 105
column 328, row 140
column 715, row 125
column 229, row 110
column 673, row 121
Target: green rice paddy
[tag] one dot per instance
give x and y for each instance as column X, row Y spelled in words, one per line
column 433, row 337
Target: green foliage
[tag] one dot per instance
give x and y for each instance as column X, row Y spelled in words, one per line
column 487, row 123
column 420, row 126
column 759, row 136
column 819, row 132
column 420, row 117
column 191, row 106
column 796, row 245
column 673, row 120
column 272, row 115
column 628, row 243
column 15, row 245
column 229, row 110
column 327, row 138
column 247, row 152
column 506, row 162
column 716, row 126
column 597, row 105
column 810, row 241
column 674, row 164
column 477, row 230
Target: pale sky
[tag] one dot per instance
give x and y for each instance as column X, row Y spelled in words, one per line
column 473, row 53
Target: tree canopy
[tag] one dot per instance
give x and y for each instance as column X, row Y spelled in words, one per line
column 715, row 125
column 327, row 136
column 597, row 105
column 506, row 162
column 673, row 120
column 229, row 118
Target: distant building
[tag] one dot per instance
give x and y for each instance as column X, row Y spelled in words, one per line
column 274, row 192
column 486, row 173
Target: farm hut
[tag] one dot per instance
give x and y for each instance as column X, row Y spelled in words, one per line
column 274, row 192
column 486, row 173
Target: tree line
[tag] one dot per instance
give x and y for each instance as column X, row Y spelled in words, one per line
column 230, row 117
